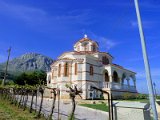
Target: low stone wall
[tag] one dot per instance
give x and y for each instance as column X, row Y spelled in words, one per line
column 47, row 93
column 158, row 106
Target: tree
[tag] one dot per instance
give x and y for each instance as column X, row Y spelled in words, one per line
column 21, row 79
column 31, row 78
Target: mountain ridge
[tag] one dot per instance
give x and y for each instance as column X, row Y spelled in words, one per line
column 28, row 62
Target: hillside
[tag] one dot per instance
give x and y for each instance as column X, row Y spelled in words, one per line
column 28, row 62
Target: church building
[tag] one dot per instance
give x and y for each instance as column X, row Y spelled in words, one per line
column 86, row 66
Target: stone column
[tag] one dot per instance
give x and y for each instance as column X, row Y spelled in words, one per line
column 110, row 81
column 70, row 71
column 110, row 78
column 134, row 81
column 128, row 82
column 120, row 81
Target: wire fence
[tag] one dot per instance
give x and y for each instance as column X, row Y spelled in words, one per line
column 33, row 99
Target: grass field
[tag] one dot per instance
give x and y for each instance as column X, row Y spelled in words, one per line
column 102, row 107
column 135, row 100
column 12, row 112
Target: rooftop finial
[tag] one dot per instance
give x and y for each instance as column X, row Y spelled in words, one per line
column 85, row 36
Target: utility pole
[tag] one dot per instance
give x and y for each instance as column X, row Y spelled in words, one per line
column 5, row 74
column 146, row 62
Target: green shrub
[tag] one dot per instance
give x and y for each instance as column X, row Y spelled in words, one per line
column 129, row 96
column 158, row 97
column 141, row 96
column 101, row 97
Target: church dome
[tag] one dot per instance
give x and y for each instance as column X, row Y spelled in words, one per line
column 86, row 45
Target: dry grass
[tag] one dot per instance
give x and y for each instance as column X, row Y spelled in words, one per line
column 12, row 112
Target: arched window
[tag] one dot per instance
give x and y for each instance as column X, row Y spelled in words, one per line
column 94, row 48
column 78, row 48
column 86, row 48
column 59, row 70
column 91, row 70
column 49, row 79
column 115, row 77
column 75, row 69
column 91, row 95
column 105, row 60
column 85, row 45
column 66, row 69
column 106, row 77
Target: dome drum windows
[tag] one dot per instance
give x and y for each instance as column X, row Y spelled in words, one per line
column 94, row 48
column 105, row 60
column 85, row 46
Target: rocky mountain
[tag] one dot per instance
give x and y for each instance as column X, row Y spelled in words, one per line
column 28, row 62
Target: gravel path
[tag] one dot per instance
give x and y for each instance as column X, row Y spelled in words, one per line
column 81, row 113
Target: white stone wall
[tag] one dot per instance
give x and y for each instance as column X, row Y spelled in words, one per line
column 83, row 79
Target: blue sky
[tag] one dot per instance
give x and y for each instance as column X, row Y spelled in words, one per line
column 52, row 27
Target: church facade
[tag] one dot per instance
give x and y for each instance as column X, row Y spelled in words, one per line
column 86, row 66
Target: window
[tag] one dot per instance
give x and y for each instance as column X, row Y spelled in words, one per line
column 53, row 74
column 91, row 70
column 78, row 48
column 49, row 79
column 94, row 48
column 59, row 70
column 66, row 69
column 86, row 48
column 91, row 95
column 85, row 45
column 75, row 69
column 106, row 77
column 105, row 60
column 115, row 77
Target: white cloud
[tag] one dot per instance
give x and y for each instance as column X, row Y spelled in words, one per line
column 136, row 59
column 104, row 43
column 155, row 73
column 22, row 12
column 34, row 16
column 146, row 24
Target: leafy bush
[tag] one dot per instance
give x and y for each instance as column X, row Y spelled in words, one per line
column 31, row 78
column 101, row 97
column 141, row 96
column 129, row 96
column 158, row 97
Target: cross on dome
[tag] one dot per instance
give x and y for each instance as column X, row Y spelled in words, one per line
column 85, row 35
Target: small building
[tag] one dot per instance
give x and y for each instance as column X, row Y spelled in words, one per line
column 86, row 66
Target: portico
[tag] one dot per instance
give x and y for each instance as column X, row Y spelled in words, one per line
column 86, row 66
